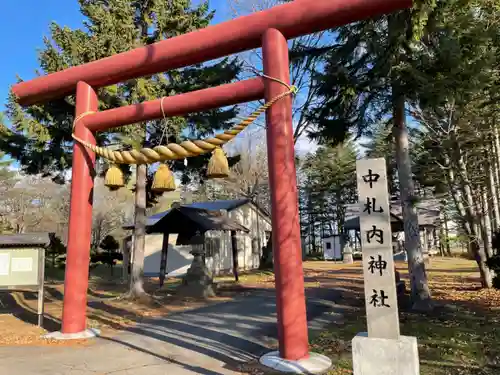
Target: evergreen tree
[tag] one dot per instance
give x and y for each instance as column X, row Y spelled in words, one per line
column 368, row 78
column 330, row 184
column 7, row 181
column 381, row 145
column 439, row 63
column 456, row 108
column 56, row 252
column 41, row 135
column 5, row 160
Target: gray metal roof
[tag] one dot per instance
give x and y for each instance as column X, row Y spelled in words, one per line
column 25, row 240
column 150, row 220
column 352, row 218
column 227, row 205
column 218, row 205
column 428, row 214
column 189, row 219
column 428, row 211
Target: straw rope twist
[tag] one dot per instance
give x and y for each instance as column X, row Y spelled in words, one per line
column 174, row 151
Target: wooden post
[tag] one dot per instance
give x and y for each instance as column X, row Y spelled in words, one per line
column 441, row 238
column 234, row 244
column 126, row 258
column 204, row 247
column 164, row 256
column 41, row 286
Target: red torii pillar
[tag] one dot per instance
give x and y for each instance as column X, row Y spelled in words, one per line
column 80, row 218
column 287, row 245
column 269, row 29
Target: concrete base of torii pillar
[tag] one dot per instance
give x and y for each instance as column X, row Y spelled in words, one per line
column 86, row 334
column 315, row 364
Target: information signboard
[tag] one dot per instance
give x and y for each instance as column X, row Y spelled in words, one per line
column 22, row 264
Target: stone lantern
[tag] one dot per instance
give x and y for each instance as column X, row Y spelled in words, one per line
column 198, row 281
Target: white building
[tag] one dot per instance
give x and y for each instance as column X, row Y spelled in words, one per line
column 332, row 247
column 251, row 223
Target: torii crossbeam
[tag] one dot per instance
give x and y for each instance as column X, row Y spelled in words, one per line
column 268, row 29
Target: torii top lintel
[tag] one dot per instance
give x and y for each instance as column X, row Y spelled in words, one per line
column 294, row 19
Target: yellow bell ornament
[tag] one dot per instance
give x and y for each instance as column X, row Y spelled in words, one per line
column 218, row 166
column 113, row 179
column 163, row 180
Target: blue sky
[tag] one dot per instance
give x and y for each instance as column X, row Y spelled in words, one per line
column 23, row 25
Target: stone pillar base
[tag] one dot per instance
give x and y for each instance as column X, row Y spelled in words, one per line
column 374, row 356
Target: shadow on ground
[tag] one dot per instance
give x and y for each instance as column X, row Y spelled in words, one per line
column 10, row 305
column 232, row 333
column 217, row 337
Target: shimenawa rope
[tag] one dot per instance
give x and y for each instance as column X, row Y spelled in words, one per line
column 185, row 149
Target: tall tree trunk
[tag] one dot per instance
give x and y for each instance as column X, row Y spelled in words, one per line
column 486, row 223
column 492, row 191
column 455, row 195
column 473, row 201
column 496, row 159
column 421, row 296
column 470, row 216
column 474, row 245
column 481, row 258
column 442, row 238
column 137, row 277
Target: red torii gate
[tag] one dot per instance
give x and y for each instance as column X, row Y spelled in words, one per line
column 268, row 29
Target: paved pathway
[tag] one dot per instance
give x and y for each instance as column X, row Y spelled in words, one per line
column 211, row 340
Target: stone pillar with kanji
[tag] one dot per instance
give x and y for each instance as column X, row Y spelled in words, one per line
column 380, row 350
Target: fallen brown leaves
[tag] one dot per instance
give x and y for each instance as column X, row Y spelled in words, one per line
column 14, row 331
column 460, row 338
column 457, row 280
column 106, row 311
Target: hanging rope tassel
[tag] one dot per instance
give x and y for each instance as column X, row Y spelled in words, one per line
column 163, row 180
column 114, row 178
column 218, row 166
